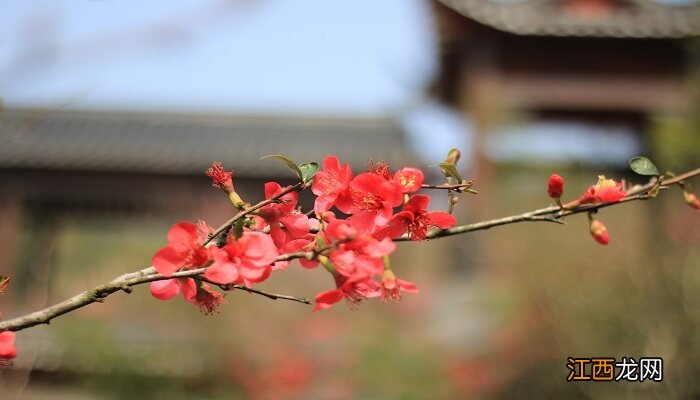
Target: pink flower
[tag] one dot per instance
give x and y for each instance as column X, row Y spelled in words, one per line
column 415, row 220
column 555, row 186
column 184, row 249
column 200, row 295
column 605, row 191
column 409, row 179
column 392, row 286
column 354, row 289
column 245, row 260
column 370, row 199
column 599, row 232
column 169, row 288
column 208, row 300
column 221, row 178
column 7, row 345
column 329, row 183
column 357, row 252
column 289, row 229
column 380, row 169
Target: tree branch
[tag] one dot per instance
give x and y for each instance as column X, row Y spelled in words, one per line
column 126, row 282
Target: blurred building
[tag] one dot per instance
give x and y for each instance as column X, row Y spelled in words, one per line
column 598, row 68
column 131, row 165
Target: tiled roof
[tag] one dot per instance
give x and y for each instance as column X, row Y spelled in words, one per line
column 187, row 144
column 633, row 19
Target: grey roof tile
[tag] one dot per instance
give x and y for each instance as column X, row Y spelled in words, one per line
column 188, row 144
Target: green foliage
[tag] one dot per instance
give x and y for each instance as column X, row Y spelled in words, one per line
column 643, row 166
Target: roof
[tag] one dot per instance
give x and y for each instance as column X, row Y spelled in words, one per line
column 618, row 19
column 188, row 144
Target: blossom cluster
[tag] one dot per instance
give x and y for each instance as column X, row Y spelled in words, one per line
column 350, row 233
column 604, row 191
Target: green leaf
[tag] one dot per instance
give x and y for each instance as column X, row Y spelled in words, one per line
column 643, row 166
column 449, row 170
column 291, row 164
column 308, row 171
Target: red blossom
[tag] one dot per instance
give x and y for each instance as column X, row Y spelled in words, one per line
column 289, row 229
column 208, row 300
column 354, row 289
column 370, row 199
column 7, row 345
column 357, row 252
column 169, row 288
column 599, row 232
column 409, row 179
column 415, row 219
column 392, row 287
column 329, row 183
column 184, row 249
column 555, row 186
column 220, row 178
column 245, row 260
column 381, row 168
column 605, row 191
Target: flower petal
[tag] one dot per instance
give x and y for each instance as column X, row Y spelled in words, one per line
column 165, row 290
column 167, row 260
column 328, row 298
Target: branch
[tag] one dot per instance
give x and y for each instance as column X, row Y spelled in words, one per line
column 555, row 213
column 228, row 224
column 126, row 282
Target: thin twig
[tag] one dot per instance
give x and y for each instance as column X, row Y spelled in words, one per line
column 243, row 213
column 457, row 187
column 125, row 282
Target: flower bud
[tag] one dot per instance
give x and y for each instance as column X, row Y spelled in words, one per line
column 555, row 186
column 691, row 199
column 599, row 232
column 453, row 156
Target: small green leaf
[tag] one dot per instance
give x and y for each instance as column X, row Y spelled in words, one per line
column 643, row 166
column 449, row 170
column 308, row 171
column 320, row 242
column 291, row 164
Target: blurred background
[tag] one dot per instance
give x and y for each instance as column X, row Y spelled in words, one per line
column 112, row 110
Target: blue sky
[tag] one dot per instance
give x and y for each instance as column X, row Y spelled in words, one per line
column 341, row 57
column 365, row 58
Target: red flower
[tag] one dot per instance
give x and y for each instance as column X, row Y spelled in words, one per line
column 202, row 296
column 221, row 178
column 416, row 220
column 289, row 229
column 380, row 169
column 555, row 186
column 370, row 199
column 184, row 250
column 599, row 232
column 391, row 287
column 169, row 288
column 208, row 300
column 7, row 345
column 357, row 252
column 605, row 191
column 329, row 183
column 409, row 179
column 248, row 259
column 354, row 289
